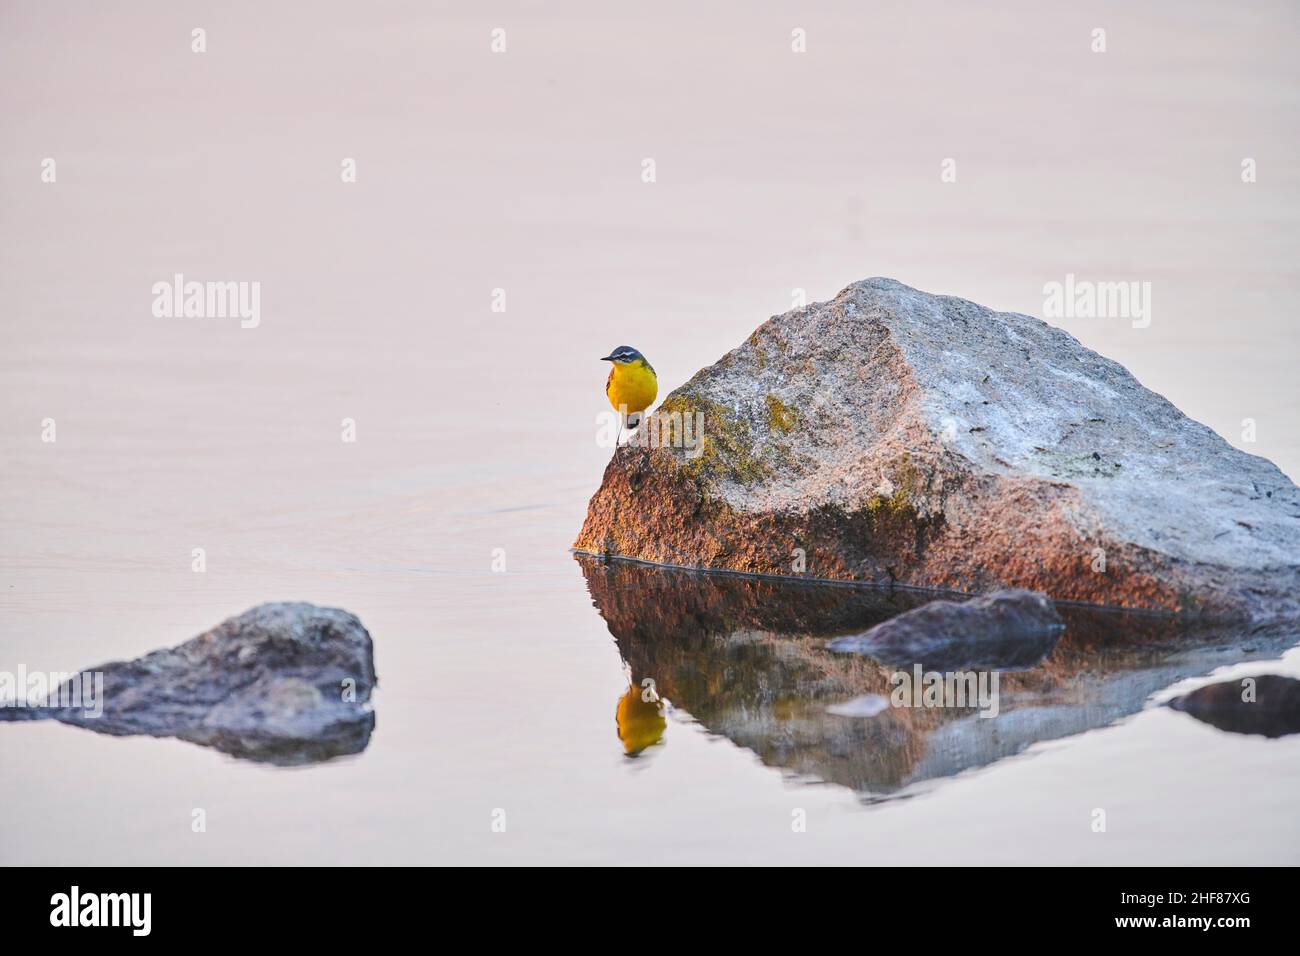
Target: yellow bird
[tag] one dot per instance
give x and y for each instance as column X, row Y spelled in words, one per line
column 632, row 385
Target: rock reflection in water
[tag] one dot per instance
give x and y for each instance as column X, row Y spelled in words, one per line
column 747, row 658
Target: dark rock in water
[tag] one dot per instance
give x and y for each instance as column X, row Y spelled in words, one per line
column 892, row 436
column 1271, row 708
column 1006, row 630
column 283, row 683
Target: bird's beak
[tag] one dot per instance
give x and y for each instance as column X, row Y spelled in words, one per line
column 607, row 358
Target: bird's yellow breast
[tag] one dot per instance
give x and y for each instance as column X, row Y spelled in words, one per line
column 632, row 386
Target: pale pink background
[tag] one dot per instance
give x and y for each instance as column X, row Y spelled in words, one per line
column 476, row 430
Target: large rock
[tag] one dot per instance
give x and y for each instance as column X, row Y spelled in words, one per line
column 282, row 683
column 901, row 437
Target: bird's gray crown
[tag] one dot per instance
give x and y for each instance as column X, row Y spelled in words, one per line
column 624, row 353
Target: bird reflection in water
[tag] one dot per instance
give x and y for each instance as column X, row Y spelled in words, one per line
column 640, row 718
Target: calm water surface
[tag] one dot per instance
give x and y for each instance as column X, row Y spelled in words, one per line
column 475, row 430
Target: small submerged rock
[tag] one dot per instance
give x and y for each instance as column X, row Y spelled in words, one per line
column 283, row 683
column 1269, row 705
column 1007, row 630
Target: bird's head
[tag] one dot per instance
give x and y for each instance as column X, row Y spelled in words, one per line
column 624, row 355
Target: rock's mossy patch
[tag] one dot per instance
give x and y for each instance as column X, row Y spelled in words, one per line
column 728, row 450
column 780, row 416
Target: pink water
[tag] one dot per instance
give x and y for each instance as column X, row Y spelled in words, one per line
column 475, row 430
